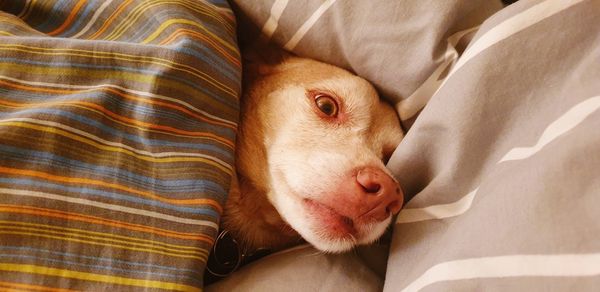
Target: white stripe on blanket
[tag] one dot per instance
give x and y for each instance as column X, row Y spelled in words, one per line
column 409, row 107
column 273, row 22
column 569, row 120
column 565, row 265
column 441, row 211
column 562, row 125
column 510, row 27
column 291, row 44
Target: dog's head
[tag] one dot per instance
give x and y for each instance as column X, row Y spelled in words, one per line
column 315, row 138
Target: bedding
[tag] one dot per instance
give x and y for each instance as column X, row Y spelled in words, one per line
column 504, row 161
column 118, row 119
column 117, row 131
column 394, row 44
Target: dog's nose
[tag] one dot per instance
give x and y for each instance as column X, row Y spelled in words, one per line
column 382, row 192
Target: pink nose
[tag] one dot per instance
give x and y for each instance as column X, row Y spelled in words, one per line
column 382, row 193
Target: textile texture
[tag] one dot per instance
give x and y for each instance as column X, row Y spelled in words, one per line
column 117, row 131
column 396, row 45
column 503, row 161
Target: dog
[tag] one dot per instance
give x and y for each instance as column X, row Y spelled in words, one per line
column 310, row 154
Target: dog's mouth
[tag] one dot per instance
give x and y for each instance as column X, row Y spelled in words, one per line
column 336, row 232
column 332, row 224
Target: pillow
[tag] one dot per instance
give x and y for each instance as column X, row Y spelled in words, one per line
column 304, row 268
column 396, row 45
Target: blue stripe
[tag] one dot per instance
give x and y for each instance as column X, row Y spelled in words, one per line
column 108, row 260
column 52, row 16
column 87, row 8
column 116, row 104
column 207, row 54
column 118, row 135
column 231, row 102
column 86, row 191
column 37, row 260
column 53, row 160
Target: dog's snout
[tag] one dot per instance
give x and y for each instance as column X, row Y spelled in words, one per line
column 382, row 192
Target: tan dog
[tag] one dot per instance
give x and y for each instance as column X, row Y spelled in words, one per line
column 310, row 152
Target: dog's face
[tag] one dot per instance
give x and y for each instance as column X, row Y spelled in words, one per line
column 325, row 136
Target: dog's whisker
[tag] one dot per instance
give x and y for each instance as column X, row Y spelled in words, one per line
column 315, row 253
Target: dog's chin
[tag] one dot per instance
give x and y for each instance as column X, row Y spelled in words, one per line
column 324, row 228
column 335, row 232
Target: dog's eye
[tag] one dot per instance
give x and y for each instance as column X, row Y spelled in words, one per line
column 326, row 105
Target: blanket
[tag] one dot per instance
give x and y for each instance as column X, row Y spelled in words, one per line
column 503, row 161
column 117, row 131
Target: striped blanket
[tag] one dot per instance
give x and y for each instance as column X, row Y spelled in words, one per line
column 117, row 129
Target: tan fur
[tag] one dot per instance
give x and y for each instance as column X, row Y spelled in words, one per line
column 286, row 152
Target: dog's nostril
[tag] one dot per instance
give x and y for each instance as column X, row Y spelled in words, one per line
column 369, row 181
column 393, row 207
column 372, row 188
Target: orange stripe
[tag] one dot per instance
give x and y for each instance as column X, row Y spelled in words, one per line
column 126, row 121
column 224, row 141
column 119, row 93
column 98, row 220
column 169, row 105
column 70, row 18
column 76, row 180
column 196, row 35
column 33, row 287
column 110, row 19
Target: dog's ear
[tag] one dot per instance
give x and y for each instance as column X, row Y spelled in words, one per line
column 263, row 58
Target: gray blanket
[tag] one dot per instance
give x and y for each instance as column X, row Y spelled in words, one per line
column 504, row 161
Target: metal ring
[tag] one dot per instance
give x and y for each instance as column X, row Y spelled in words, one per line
column 223, row 264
